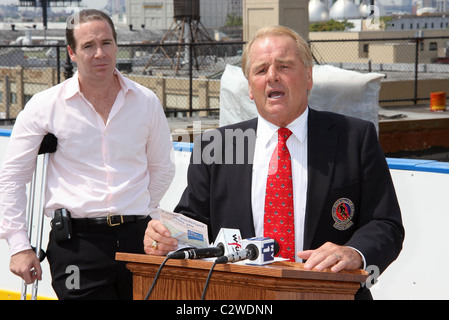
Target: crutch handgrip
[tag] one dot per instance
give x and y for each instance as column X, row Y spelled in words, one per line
column 48, row 144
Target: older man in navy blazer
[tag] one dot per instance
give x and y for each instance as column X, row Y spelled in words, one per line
column 346, row 214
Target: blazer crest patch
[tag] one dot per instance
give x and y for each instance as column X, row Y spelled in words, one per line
column 342, row 213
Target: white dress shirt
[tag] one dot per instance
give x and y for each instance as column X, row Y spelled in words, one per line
column 123, row 166
column 266, row 141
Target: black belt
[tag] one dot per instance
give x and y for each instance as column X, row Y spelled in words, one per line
column 110, row 220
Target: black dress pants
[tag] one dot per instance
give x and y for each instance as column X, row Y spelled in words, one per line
column 84, row 267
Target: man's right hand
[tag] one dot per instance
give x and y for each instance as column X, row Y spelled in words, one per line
column 26, row 265
column 158, row 234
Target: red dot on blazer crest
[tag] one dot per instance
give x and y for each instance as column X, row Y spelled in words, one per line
column 342, row 213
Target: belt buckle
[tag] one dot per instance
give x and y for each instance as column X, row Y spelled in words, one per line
column 111, row 223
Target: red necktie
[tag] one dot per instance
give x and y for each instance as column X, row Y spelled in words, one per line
column 279, row 214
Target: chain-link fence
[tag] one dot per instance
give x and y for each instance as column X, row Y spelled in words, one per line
column 186, row 77
column 25, row 71
column 412, row 67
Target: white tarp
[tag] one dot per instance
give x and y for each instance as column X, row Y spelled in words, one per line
column 334, row 89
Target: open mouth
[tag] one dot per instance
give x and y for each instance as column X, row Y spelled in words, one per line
column 275, row 94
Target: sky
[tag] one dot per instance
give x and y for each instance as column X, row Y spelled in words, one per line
column 96, row 4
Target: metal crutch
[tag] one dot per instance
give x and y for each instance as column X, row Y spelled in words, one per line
column 48, row 146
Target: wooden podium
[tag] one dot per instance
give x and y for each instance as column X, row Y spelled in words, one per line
column 185, row 280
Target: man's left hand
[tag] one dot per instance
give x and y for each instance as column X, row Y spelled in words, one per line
column 333, row 256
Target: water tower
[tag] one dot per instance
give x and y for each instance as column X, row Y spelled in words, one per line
column 186, row 9
column 186, row 28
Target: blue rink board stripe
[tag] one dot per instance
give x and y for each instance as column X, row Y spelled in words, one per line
column 393, row 163
column 5, row 132
column 418, row 165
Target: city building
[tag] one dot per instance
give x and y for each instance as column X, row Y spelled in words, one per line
column 415, row 22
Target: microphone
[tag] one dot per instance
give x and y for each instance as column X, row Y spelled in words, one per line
column 198, row 253
column 227, row 241
column 247, row 253
column 259, row 250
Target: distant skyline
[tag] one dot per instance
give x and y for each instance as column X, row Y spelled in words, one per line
column 96, row 4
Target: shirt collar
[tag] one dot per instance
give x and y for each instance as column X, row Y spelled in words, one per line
column 73, row 86
column 266, row 130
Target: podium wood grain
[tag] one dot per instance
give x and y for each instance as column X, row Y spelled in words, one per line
column 185, row 280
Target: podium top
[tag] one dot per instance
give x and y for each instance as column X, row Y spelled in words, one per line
column 278, row 269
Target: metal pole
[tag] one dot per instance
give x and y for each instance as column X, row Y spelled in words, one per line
column 44, row 18
column 58, row 64
column 7, row 96
column 41, row 216
column 418, row 41
column 190, row 69
column 68, row 67
column 30, row 211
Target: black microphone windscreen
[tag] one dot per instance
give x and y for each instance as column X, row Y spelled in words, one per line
column 276, row 247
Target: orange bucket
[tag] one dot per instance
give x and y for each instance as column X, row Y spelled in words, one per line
column 438, row 101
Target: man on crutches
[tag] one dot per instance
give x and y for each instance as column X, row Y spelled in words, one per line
column 111, row 168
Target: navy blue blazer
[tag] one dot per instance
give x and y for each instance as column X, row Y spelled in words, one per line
column 350, row 194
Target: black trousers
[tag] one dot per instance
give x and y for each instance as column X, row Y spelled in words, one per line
column 85, row 268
